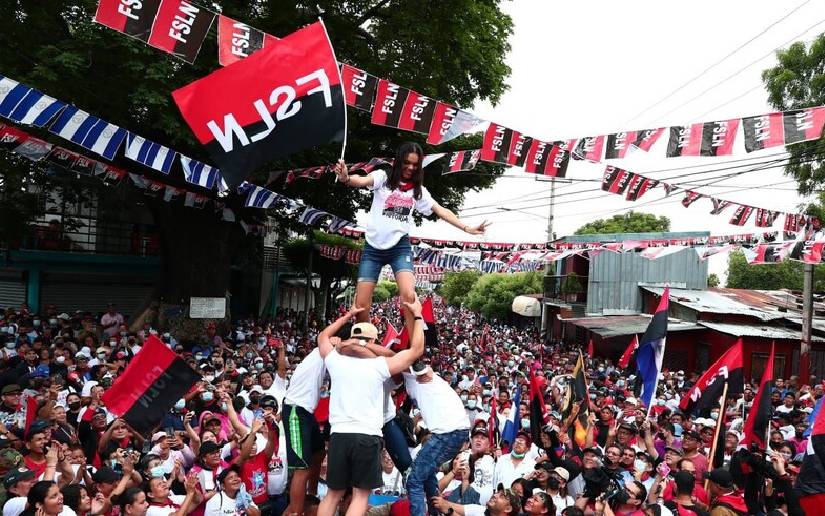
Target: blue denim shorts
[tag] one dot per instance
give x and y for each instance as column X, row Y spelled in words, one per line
column 399, row 257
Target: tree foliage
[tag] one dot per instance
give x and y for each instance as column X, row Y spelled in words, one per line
column 769, row 276
column 384, row 291
column 457, row 285
column 713, row 280
column 630, row 222
column 798, row 81
column 493, row 294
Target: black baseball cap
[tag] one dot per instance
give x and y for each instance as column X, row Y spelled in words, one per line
column 720, row 477
column 209, row 447
column 16, row 475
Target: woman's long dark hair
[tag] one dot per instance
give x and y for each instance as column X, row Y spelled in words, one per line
column 71, row 495
column 37, row 494
column 394, row 175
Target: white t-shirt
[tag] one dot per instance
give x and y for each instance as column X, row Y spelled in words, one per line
column 277, row 389
column 14, row 506
column 441, row 408
column 305, row 385
column 506, row 471
column 222, row 505
column 356, row 403
column 390, row 216
column 166, row 510
column 389, row 403
column 278, row 473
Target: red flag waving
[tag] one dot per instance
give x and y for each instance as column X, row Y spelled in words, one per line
column 391, row 336
column 537, row 408
column 628, row 352
column 756, row 426
column 708, row 389
column 282, row 99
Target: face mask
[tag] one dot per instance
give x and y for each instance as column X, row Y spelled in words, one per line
column 471, row 404
column 620, row 383
column 592, row 395
column 525, row 422
column 464, row 377
column 486, row 407
column 60, row 359
column 180, row 404
column 601, row 369
column 198, row 357
column 553, row 483
column 660, row 402
column 463, row 397
column 714, row 415
column 250, row 356
column 36, row 322
column 157, row 472
column 639, row 465
column 208, row 378
column 486, row 392
column 52, row 322
column 415, row 412
column 259, row 365
column 73, row 406
column 114, row 463
column 510, row 363
column 207, row 396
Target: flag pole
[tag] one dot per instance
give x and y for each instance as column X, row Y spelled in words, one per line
column 715, row 443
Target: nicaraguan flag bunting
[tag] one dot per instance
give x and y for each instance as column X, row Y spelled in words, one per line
column 312, row 216
column 651, row 351
column 34, row 108
column 90, row 132
column 198, row 173
column 260, row 197
column 149, row 153
column 11, row 94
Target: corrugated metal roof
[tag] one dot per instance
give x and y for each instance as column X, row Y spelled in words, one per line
column 715, row 302
column 615, row 326
column 619, row 237
column 758, row 330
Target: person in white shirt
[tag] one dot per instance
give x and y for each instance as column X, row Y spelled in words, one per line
column 443, row 412
column 163, row 503
column 395, row 194
column 515, row 464
column 356, row 409
column 232, row 499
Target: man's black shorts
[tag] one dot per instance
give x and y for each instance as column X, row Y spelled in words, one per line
column 354, row 460
column 303, row 437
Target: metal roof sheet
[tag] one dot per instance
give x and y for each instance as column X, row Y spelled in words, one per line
column 718, row 301
column 619, row 237
column 617, row 325
column 758, row 330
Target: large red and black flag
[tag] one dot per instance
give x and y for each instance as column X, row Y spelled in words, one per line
column 537, row 407
column 803, row 124
column 765, row 218
column 646, row 138
column 703, row 139
column 589, row 148
column 639, row 185
column 149, row 386
column 359, row 87
column 719, row 205
column 430, row 331
column 741, row 215
column 131, row 18
column 237, row 40
column 615, row 179
column 498, row 141
column 810, row 484
column 578, row 430
column 707, row 391
column 282, row 99
column 691, row 197
column 763, row 131
column 180, row 28
column 618, row 144
column 461, row 160
column 756, row 425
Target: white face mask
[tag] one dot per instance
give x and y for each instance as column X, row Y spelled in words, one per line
column 60, row 359
column 463, row 397
column 639, row 465
column 471, row 404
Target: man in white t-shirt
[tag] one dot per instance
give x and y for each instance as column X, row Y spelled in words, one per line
column 443, row 412
column 356, row 410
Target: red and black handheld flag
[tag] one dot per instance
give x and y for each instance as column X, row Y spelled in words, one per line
column 627, row 356
column 756, row 425
column 811, row 480
column 237, row 40
column 537, row 408
column 149, row 386
column 498, row 140
column 359, row 87
column 707, row 391
column 131, row 18
column 430, row 331
column 282, row 99
column 180, row 28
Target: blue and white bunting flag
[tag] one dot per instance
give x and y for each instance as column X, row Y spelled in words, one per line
column 336, row 224
column 311, row 216
column 149, row 153
column 260, row 197
column 199, row 173
column 11, row 93
column 36, row 109
column 90, row 132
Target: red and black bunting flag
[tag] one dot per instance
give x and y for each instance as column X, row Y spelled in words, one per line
column 11, row 137
column 237, row 40
column 803, row 124
column 498, row 140
column 359, row 87
column 590, row 149
column 808, row 251
column 305, row 173
column 371, row 165
column 703, row 139
column 794, row 222
column 417, row 114
column 741, row 215
column 618, row 144
column 557, row 161
column 151, row 384
column 707, row 391
column 129, row 17
column 615, row 179
column 669, row 188
column 763, row 131
column 389, row 103
column 759, row 417
column 72, row 161
column 461, row 160
column 280, row 100
column 519, row 151
column 639, row 186
column 719, row 205
column 765, row 218
column 538, row 157
column 180, row 28
column 646, row 138
column 691, row 197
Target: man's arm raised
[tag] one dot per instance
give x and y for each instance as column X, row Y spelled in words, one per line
column 324, row 345
column 404, row 359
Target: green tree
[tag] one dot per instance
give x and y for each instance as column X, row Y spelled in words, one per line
column 493, row 294
column 713, row 280
column 54, row 46
column 384, row 291
column 630, row 222
column 457, row 285
column 769, row 276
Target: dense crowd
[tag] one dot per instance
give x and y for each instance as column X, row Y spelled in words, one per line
column 284, row 421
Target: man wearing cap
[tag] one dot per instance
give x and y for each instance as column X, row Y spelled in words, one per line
column 35, row 442
column 691, row 445
column 443, row 413
column 17, row 482
column 516, row 464
column 485, row 466
column 356, row 411
column 252, row 409
column 557, row 489
column 10, row 412
column 725, row 499
column 502, row 502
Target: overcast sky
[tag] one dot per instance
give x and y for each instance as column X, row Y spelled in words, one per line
column 596, row 67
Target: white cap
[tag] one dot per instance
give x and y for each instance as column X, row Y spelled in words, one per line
column 256, row 388
column 87, row 389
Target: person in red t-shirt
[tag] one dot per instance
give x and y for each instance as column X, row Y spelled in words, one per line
column 254, row 465
column 36, row 441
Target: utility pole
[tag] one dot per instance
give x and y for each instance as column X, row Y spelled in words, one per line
column 308, row 291
column 807, row 316
column 273, row 292
column 548, row 266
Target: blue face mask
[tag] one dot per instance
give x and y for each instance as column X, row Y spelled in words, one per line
column 180, row 404
column 207, row 396
column 677, row 429
column 157, row 472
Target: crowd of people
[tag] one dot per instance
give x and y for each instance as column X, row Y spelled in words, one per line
column 295, row 415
